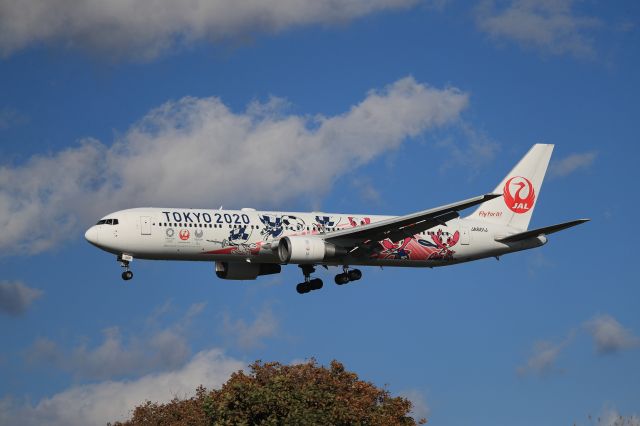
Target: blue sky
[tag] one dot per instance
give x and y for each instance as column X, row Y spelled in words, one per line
column 387, row 107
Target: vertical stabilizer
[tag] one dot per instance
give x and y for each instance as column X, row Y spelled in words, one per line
column 520, row 190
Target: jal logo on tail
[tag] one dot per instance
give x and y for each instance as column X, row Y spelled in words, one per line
column 518, row 194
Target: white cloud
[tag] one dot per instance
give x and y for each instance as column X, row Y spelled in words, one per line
column 572, row 163
column 144, row 29
column 97, row 404
column 611, row 417
column 250, row 335
column 420, row 409
column 163, row 348
column 542, row 360
column 470, row 149
column 436, row 4
column 10, row 117
column 609, row 336
column 366, row 189
column 537, row 262
column 16, row 297
column 196, row 152
column 549, row 25
column 297, row 361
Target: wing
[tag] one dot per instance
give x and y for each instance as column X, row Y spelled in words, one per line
column 400, row 227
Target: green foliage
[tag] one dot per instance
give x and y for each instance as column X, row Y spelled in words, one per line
column 276, row 394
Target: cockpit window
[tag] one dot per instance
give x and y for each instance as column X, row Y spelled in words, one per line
column 107, row 222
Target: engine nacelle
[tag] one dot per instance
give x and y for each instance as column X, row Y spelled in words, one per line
column 307, row 249
column 245, row 270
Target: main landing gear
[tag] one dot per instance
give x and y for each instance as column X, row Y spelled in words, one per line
column 308, row 284
column 348, row 275
column 124, row 260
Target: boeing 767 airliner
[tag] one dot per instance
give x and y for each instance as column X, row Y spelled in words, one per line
column 246, row 243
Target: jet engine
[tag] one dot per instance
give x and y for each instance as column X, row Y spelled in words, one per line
column 307, row 249
column 245, row 270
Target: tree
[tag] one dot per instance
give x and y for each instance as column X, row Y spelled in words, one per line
column 276, row 394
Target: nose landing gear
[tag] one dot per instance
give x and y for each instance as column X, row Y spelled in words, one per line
column 124, row 260
column 308, row 284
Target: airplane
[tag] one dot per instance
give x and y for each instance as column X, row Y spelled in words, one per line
column 246, row 243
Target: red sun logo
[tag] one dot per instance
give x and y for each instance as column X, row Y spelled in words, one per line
column 518, row 194
column 184, row 234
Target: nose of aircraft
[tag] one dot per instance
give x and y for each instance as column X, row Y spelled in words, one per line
column 92, row 235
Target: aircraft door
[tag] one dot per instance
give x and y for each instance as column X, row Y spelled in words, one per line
column 145, row 225
column 464, row 234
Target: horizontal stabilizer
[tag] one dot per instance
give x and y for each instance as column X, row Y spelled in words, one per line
column 541, row 231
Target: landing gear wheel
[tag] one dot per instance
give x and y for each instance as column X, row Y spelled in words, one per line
column 342, row 279
column 354, row 274
column 303, row 288
column 308, row 284
column 315, row 284
column 127, row 275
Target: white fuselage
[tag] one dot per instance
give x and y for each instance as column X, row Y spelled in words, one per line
column 247, row 235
